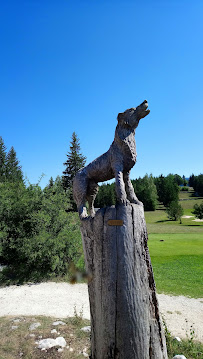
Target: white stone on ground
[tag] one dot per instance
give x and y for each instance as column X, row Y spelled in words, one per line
column 179, row 357
column 50, row 342
column 177, row 339
column 14, row 327
column 34, row 326
column 54, row 331
column 58, row 322
column 85, row 355
column 86, row 329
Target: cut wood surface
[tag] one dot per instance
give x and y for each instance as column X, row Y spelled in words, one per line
column 123, row 303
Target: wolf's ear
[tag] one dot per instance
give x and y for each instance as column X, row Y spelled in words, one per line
column 122, row 120
column 120, row 117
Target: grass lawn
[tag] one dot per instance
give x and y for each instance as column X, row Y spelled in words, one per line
column 176, row 250
column 177, row 261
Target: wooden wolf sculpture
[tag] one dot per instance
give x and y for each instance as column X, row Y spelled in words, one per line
column 116, row 162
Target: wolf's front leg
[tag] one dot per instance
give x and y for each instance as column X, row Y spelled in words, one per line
column 120, row 187
column 129, row 189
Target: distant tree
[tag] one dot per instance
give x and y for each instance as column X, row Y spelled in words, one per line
column 75, row 161
column 178, row 179
column 191, row 181
column 13, row 169
column 199, row 184
column 159, row 183
column 184, row 181
column 167, row 189
column 146, row 192
column 174, row 210
column 198, row 210
column 51, row 182
column 2, row 160
column 106, row 196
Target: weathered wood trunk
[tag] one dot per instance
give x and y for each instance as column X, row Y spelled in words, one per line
column 124, row 310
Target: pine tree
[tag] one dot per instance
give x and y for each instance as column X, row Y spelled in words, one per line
column 13, row 169
column 75, row 161
column 2, row 160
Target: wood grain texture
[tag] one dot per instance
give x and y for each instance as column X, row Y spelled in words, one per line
column 125, row 316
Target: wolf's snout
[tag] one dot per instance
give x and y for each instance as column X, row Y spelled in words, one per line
column 145, row 103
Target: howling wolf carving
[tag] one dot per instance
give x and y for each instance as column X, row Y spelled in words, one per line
column 116, row 162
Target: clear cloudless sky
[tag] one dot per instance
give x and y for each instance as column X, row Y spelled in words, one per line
column 70, row 65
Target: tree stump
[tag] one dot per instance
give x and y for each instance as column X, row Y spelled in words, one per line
column 125, row 319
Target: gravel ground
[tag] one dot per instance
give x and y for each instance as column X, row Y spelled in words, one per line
column 59, row 300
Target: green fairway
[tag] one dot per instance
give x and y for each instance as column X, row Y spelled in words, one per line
column 176, row 250
column 177, row 261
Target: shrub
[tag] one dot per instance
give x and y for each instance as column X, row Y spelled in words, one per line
column 38, row 238
column 184, row 188
column 198, row 210
column 174, row 210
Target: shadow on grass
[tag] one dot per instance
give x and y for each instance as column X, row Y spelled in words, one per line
column 165, row 220
column 192, row 225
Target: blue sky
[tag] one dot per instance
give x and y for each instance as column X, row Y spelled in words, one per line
column 74, row 65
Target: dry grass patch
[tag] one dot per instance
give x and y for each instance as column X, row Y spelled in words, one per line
column 18, row 341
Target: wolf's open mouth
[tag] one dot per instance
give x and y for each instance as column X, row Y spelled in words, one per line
column 145, row 103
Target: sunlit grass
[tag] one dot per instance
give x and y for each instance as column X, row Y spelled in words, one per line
column 177, row 261
column 176, row 250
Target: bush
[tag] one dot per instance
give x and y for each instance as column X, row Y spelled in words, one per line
column 38, row 238
column 198, row 210
column 174, row 210
column 184, row 188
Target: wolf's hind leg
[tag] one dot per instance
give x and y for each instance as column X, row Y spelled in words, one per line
column 91, row 195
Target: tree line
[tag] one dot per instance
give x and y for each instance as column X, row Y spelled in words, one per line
column 39, row 228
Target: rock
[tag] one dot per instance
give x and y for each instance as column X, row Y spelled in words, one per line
column 34, row 326
column 179, row 357
column 85, row 355
column 14, row 327
column 60, row 350
column 61, row 342
column 58, row 322
column 50, row 342
column 54, row 331
column 86, row 329
column 177, row 339
column 16, row 320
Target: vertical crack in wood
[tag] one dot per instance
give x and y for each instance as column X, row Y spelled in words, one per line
column 116, row 289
